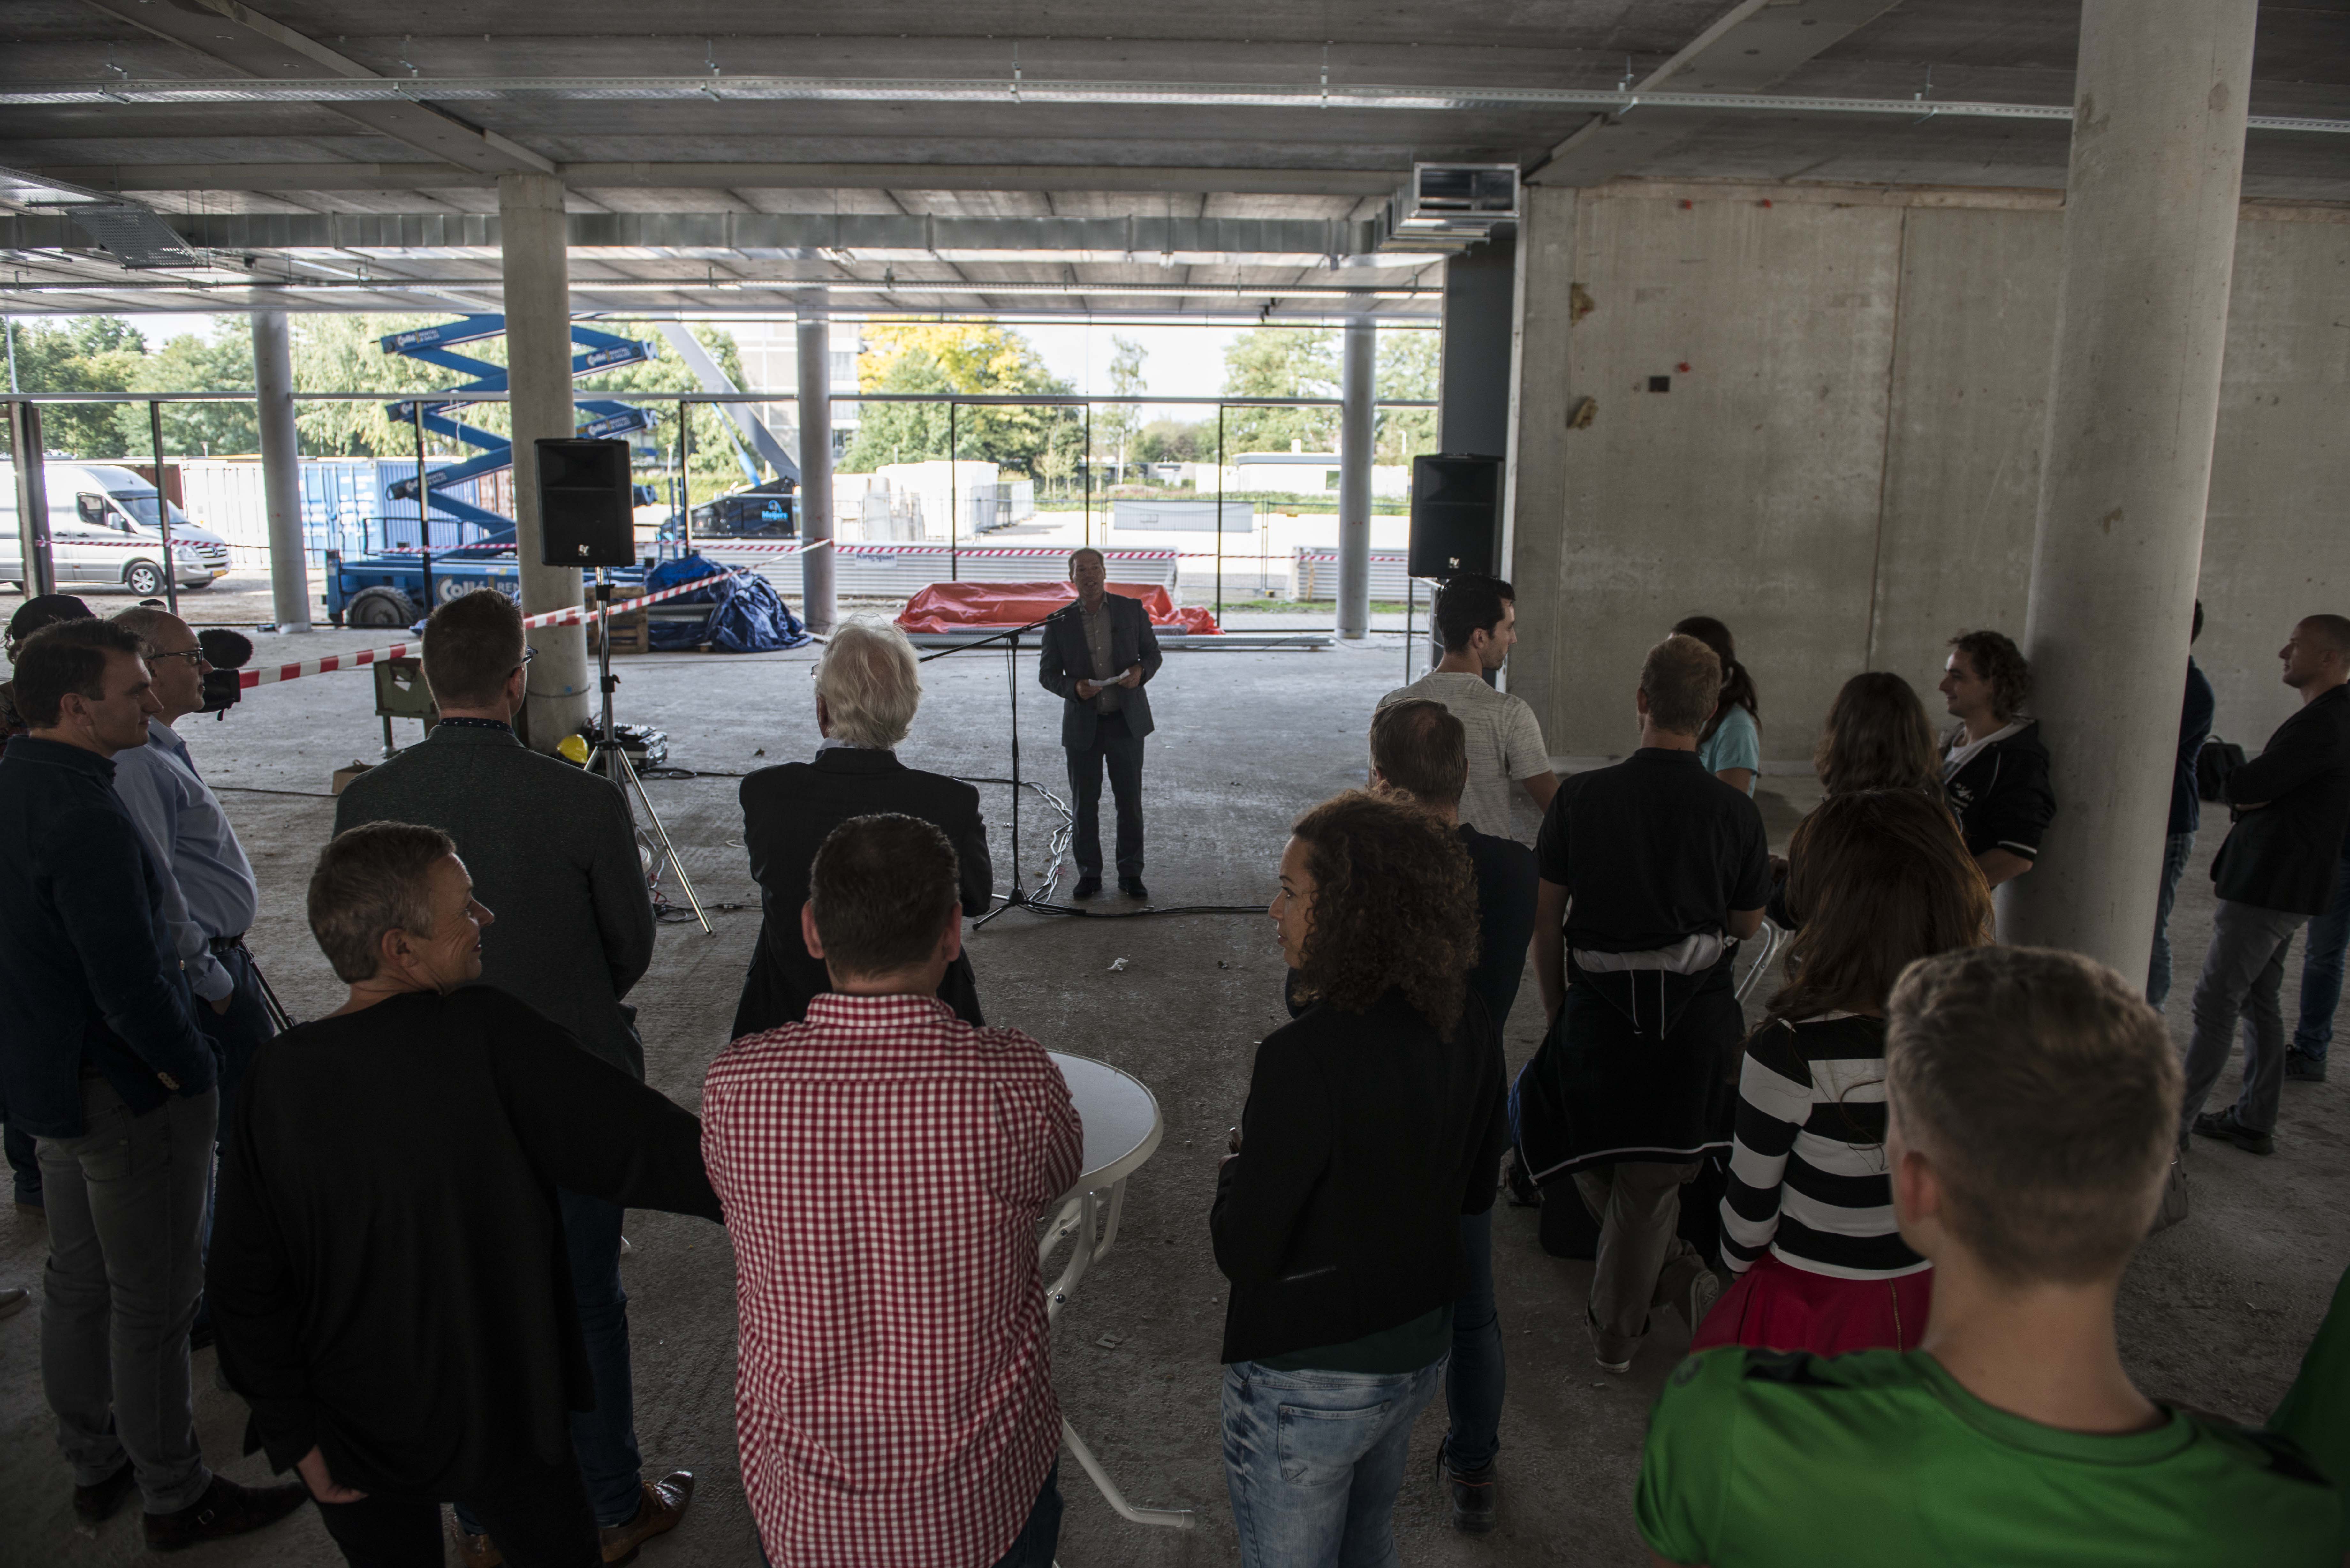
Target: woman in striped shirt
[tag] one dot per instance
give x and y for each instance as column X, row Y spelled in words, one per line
column 1808, row 1223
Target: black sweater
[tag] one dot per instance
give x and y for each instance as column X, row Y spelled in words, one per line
column 2292, row 805
column 388, row 1272
column 1364, row 1139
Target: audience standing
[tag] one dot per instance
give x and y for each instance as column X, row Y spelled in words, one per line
column 1994, row 762
column 1730, row 747
column 1097, row 655
column 884, row 1166
column 1419, row 753
column 1667, row 868
column 1808, row 1223
column 2032, row 1100
column 389, row 1275
column 556, row 847
column 1374, row 1122
column 23, row 1165
column 867, row 687
column 102, row 1062
column 1475, row 621
column 2276, row 868
column 2196, row 711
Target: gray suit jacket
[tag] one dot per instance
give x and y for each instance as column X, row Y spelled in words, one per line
column 553, row 854
column 1066, row 660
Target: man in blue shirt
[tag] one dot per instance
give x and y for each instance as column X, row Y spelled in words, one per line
column 2195, row 715
column 100, row 1060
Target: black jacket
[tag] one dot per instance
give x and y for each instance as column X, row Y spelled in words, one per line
column 1364, row 1139
column 2283, row 855
column 786, row 811
column 1067, row 659
column 85, row 975
column 388, row 1272
column 2001, row 797
column 552, row 852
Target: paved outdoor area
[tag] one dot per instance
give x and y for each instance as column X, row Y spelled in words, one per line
column 2214, row 1313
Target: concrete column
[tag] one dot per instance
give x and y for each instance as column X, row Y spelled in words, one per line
column 538, row 359
column 1356, row 390
column 1472, row 404
column 37, row 561
column 815, row 462
column 2150, row 214
column 281, row 471
column 1543, row 395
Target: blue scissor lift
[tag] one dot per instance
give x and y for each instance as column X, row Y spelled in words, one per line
column 389, row 585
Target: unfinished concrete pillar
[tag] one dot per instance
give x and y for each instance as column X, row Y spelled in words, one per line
column 538, row 358
column 818, row 606
column 1357, row 392
column 281, row 471
column 1543, row 398
column 2150, row 214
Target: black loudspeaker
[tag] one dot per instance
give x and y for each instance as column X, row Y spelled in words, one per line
column 586, row 502
column 1456, row 516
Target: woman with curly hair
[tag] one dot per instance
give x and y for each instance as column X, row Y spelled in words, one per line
column 1808, row 1223
column 1994, row 760
column 1374, row 1122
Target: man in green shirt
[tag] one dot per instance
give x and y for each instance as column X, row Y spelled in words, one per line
column 2033, row 1101
column 2316, row 1409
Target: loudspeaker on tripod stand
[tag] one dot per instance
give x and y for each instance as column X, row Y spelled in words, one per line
column 586, row 503
column 1455, row 515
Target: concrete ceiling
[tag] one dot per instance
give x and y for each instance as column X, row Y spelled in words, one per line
column 884, row 149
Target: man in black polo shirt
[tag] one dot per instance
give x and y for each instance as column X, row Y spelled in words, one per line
column 2292, row 807
column 1667, row 868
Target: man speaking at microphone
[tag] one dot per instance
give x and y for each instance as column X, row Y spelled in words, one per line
column 1099, row 654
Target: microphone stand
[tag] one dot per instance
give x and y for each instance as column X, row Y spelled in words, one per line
column 1018, row 898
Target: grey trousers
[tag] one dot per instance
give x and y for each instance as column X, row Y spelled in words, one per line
column 1641, row 1256
column 2242, row 974
column 126, row 1203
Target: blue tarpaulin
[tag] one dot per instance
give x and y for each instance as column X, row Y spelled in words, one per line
column 747, row 613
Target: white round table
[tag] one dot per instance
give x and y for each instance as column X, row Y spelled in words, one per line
column 1122, row 1130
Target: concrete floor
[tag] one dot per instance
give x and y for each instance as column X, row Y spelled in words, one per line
column 2215, row 1313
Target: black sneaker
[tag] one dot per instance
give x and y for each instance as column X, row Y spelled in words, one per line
column 1472, row 1493
column 226, row 1509
column 1088, row 887
column 1133, row 889
column 2299, row 1068
column 97, row 1504
column 2224, row 1125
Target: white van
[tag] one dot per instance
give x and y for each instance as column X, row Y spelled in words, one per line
column 105, row 530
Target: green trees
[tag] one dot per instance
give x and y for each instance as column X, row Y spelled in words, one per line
column 1115, row 424
column 83, row 354
column 1282, row 362
column 971, row 358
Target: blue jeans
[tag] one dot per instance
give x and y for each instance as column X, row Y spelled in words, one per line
column 1313, row 1460
column 1474, row 1376
column 604, row 1438
column 2175, row 851
column 2321, row 967
column 1038, row 1539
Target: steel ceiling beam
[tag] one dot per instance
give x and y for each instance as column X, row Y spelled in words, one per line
column 1144, row 179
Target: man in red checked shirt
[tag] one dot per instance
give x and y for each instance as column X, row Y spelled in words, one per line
column 883, row 1167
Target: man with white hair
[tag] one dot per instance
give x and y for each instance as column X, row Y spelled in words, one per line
column 868, row 686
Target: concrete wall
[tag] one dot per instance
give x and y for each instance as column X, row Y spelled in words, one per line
column 1848, row 471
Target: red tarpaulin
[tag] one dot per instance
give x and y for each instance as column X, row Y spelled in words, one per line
column 992, row 606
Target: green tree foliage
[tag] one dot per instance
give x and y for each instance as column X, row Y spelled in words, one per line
column 1173, row 441
column 219, row 362
column 1408, row 361
column 1115, row 424
column 1282, row 362
column 971, row 358
column 80, row 354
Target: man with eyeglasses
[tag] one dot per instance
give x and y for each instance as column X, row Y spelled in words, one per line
column 209, row 898
column 553, row 849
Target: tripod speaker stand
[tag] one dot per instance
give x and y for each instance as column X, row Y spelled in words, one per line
column 1018, row 898
column 611, row 759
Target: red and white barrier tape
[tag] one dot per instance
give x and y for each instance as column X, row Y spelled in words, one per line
column 248, row 679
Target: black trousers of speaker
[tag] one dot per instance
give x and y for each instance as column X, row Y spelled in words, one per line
column 1455, row 515
column 586, row 503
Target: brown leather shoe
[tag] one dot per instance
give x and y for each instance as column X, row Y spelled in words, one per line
column 658, row 1510
column 226, row 1509
column 478, row 1550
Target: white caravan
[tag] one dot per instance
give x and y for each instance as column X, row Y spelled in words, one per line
column 105, row 530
